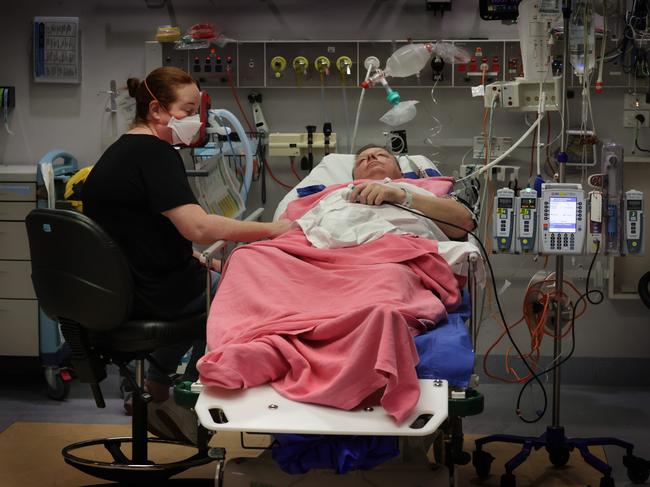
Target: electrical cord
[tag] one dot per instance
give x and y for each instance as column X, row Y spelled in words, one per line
column 636, row 138
column 534, row 375
column 557, row 363
column 582, row 297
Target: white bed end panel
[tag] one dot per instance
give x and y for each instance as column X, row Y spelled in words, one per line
column 337, row 169
column 262, row 410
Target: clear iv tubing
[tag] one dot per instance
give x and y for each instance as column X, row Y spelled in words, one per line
column 322, row 101
column 542, row 100
column 248, row 174
column 356, row 120
column 506, row 153
column 347, row 116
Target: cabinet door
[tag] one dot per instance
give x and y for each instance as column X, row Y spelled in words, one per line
column 13, row 241
column 15, row 211
column 16, row 191
column 19, row 327
column 15, row 279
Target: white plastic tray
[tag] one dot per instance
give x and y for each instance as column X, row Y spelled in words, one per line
column 262, row 410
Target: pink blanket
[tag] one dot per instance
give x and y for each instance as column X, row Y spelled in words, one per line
column 327, row 326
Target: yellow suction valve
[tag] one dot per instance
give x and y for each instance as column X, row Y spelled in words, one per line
column 344, row 65
column 322, row 65
column 278, row 65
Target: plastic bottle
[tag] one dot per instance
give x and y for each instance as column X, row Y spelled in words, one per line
column 408, row 60
column 582, row 18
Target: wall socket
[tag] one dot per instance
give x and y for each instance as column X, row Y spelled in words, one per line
column 630, row 121
column 635, row 101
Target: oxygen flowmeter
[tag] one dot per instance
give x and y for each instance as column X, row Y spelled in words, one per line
column 503, row 223
column 634, row 222
column 562, row 225
column 526, row 221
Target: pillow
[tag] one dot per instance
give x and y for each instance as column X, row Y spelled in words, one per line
column 337, row 168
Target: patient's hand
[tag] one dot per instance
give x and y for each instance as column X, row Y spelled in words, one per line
column 279, row 227
column 376, row 194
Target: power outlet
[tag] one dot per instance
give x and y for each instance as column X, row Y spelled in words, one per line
column 635, row 101
column 630, row 121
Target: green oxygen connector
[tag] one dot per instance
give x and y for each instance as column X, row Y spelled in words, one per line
column 392, row 97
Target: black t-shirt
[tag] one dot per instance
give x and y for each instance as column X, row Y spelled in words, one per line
column 135, row 180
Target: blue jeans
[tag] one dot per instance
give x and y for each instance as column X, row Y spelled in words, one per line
column 169, row 357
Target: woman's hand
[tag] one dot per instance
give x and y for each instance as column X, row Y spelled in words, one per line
column 376, row 194
column 279, row 227
column 215, row 265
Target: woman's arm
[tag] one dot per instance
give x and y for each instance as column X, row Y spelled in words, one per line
column 197, row 226
column 444, row 209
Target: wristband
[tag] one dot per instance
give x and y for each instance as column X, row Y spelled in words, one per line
column 408, row 200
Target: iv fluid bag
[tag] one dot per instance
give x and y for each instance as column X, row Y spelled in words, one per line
column 582, row 19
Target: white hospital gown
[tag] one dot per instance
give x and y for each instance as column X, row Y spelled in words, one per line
column 334, row 222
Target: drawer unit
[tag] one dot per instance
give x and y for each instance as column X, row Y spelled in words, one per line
column 19, row 312
column 15, row 279
column 13, row 241
column 17, row 191
column 19, row 327
column 16, row 212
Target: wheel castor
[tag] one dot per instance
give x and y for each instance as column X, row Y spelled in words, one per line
column 482, row 462
column 58, row 388
column 462, row 458
column 559, row 456
column 607, row 482
column 508, row 480
column 638, row 469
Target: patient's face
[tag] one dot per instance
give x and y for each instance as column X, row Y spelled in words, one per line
column 376, row 163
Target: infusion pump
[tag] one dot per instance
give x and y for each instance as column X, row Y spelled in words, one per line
column 562, row 224
column 503, row 224
column 634, row 222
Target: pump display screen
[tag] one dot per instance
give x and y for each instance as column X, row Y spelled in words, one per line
column 562, row 214
column 634, row 204
column 529, row 203
column 504, row 202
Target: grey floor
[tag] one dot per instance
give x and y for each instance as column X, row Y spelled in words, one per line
column 585, row 411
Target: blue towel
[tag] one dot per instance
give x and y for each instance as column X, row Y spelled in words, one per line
column 297, row 454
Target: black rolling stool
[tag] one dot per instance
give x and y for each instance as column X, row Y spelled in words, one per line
column 83, row 281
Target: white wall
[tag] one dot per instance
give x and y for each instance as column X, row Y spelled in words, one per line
column 113, row 34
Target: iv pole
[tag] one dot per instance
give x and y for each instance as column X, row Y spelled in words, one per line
column 554, row 440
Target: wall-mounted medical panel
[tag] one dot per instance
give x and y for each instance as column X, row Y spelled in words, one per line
column 174, row 57
column 251, row 60
column 485, row 64
column 310, row 64
column 333, row 64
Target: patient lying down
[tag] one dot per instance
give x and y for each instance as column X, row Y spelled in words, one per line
column 328, row 318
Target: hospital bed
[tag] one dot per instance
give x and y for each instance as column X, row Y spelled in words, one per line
column 444, row 379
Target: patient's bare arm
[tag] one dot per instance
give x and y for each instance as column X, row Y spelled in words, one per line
column 444, row 209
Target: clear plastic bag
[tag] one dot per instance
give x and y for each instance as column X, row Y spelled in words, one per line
column 401, row 113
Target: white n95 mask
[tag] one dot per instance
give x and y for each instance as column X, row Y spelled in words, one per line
column 185, row 129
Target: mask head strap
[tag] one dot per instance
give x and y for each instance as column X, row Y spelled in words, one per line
column 152, row 95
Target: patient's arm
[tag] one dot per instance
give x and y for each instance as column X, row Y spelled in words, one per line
column 197, row 226
column 444, row 209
